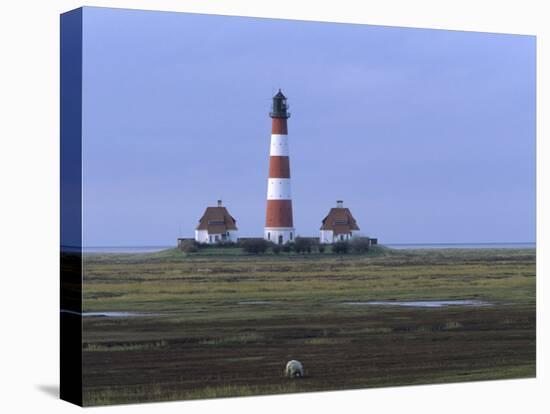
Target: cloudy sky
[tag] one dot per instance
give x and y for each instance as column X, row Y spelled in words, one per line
column 427, row 135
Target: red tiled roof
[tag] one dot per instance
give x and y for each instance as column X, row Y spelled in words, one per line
column 216, row 220
column 340, row 221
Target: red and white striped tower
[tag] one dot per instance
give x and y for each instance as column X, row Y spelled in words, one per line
column 278, row 221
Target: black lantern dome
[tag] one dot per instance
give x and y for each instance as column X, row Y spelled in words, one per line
column 279, row 109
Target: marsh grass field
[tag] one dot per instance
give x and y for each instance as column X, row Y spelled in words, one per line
column 222, row 323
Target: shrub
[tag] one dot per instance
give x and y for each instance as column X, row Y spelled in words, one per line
column 189, row 246
column 360, row 245
column 255, row 246
column 303, row 245
column 287, row 247
column 321, row 248
column 226, row 243
column 340, row 247
column 276, row 248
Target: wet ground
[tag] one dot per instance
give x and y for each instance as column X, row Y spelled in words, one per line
column 171, row 327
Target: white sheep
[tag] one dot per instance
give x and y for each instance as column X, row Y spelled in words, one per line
column 294, row 369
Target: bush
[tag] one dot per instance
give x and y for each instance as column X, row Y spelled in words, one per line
column 340, row 247
column 226, row 243
column 287, row 247
column 303, row 245
column 321, row 248
column 276, row 248
column 255, row 246
column 189, row 246
column 360, row 245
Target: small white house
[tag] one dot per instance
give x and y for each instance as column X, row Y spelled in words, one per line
column 216, row 225
column 338, row 225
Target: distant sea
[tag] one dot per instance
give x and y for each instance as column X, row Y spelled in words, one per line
column 512, row 245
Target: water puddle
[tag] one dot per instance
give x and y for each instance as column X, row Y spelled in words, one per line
column 412, row 304
column 107, row 314
column 420, row 303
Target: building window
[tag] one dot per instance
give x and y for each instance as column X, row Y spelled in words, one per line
column 290, row 235
column 210, row 238
column 268, row 235
column 341, row 237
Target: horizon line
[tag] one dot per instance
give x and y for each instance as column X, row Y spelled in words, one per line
column 388, row 243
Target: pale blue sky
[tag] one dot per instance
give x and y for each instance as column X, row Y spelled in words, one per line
column 427, row 135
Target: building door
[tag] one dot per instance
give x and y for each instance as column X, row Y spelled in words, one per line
column 280, row 239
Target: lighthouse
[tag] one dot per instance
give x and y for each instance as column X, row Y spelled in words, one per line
column 279, row 226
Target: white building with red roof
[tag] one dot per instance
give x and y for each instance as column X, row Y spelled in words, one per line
column 338, row 225
column 216, row 225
